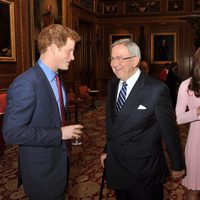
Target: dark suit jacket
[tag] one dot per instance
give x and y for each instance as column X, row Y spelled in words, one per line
column 134, row 150
column 173, row 81
column 32, row 120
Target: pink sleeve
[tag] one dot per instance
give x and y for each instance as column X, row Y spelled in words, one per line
column 183, row 116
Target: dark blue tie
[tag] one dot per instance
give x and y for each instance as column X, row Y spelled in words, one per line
column 122, row 97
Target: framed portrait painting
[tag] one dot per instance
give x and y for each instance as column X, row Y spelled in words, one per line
column 7, row 31
column 114, row 37
column 163, row 47
column 110, row 8
column 196, row 5
column 44, row 13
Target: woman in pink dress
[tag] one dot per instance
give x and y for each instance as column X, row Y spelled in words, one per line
column 188, row 111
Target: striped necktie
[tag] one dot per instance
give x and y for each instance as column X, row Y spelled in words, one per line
column 122, row 97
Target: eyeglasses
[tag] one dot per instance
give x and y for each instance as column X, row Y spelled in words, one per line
column 118, row 59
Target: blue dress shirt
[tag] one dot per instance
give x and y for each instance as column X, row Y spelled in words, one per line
column 52, row 80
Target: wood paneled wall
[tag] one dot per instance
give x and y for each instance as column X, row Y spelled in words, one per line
column 185, row 39
column 99, row 26
column 9, row 70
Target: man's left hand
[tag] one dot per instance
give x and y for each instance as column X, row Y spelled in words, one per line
column 177, row 175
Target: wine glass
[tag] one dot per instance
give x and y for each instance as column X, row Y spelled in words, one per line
column 76, row 141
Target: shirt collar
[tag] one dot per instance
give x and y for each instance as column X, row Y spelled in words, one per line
column 132, row 80
column 48, row 72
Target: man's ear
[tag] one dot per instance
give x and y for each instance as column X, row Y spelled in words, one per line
column 136, row 61
column 53, row 48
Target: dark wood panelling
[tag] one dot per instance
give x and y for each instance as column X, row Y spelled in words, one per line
column 101, row 26
column 9, row 70
column 162, row 24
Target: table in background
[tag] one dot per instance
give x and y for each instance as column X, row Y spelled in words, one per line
column 93, row 94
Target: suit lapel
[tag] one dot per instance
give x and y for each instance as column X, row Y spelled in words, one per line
column 113, row 96
column 135, row 94
column 134, row 97
column 48, row 90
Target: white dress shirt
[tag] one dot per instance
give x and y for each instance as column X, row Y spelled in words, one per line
column 130, row 83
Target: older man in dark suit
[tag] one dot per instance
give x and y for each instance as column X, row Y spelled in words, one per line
column 34, row 117
column 138, row 115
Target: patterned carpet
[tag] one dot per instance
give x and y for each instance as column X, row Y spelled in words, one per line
column 86, row 172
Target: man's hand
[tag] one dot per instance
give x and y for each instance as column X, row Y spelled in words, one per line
column 177, row 175
column 71, row 132
column 103, row 157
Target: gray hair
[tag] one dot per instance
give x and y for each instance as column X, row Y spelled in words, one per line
column 132, row 47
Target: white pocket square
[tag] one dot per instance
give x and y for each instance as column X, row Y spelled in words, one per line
column 141, row 107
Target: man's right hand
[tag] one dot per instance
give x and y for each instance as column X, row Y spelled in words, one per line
column 71, row 131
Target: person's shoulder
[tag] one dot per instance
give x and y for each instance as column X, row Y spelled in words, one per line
column 154, row 85
column 21, row 83
column 153, row 81
column 154, row 88
column 185, row 83
column 24, row 77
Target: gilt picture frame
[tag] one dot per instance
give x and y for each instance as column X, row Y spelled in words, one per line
column 163, row 47
column 7, row 31
column 117, row 36
column 196, row 6
column 44, row 13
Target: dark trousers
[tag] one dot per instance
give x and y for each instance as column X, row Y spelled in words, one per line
column 63, row 196
column 154, row 193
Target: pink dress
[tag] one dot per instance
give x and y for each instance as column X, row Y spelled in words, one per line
column 192, row 148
